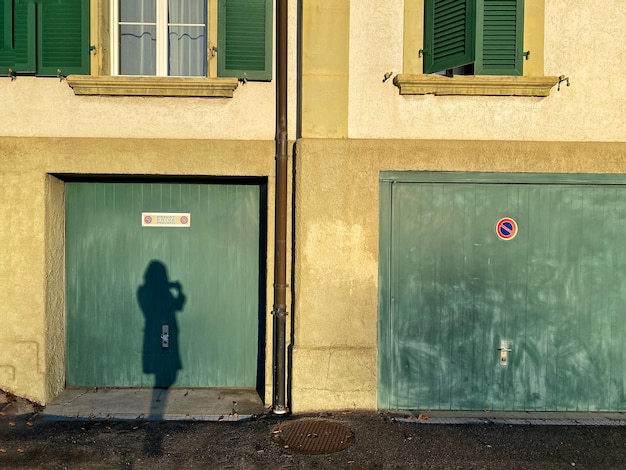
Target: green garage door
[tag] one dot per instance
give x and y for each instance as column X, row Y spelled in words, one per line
column 502, row 292
column 164, row 284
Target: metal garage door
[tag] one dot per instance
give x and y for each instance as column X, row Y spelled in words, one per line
column 164, row 284
column 502, row 292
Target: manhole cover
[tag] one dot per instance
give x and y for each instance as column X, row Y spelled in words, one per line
column 313, row 436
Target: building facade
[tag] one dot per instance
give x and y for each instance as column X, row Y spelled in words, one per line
column 456, row 210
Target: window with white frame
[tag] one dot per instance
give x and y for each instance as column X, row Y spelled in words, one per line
column 174, row 47
column 159, row 38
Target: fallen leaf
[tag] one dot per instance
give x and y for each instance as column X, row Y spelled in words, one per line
column 2, row 413
column 12, row 424
column 21, row 451
column 3, row 451
column 29, row 424
column 421, row 416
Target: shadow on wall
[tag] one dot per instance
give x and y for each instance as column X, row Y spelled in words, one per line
column 160, row 300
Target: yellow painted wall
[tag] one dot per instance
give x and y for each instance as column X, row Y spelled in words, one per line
column 352, row 126
column 47, row 107
column 336, row 269
column 580, row 128
column 325, row 68
column 32, row 259
column 45, row 128
column 579, row 43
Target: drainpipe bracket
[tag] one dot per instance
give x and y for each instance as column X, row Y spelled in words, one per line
column 280, row 312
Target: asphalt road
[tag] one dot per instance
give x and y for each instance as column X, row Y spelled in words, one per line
column 378, row 442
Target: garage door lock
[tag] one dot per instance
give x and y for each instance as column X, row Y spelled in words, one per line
column 165, row 336
column 504, row 352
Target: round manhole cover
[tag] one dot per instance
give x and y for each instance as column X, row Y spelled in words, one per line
column 313, row 436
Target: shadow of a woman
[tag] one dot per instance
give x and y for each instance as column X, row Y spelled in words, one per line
column 159, row 300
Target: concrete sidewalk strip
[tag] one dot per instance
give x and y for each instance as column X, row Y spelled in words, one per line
column 520, row 418
column 189, row 404
column 177, row 404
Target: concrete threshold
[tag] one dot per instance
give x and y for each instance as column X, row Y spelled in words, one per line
column 146, row 404
column 524, row 418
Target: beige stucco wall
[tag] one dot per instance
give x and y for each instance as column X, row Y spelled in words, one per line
column 336, row 268
column 579, row 43
column 347, row 48
column 40, row 106
column 46, row 129
column 32, row 260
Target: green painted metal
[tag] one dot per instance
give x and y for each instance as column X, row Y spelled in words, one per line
column 451, row 290
column 245, row 39
column 125, row 281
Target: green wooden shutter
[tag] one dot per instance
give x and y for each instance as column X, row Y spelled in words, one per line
column 17, row 36
column 6, row 24
column 245, row 39
column 449, row 36
column 63, row 28
column 500, row 37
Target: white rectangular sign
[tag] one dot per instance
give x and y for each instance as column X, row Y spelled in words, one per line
column 165, row 219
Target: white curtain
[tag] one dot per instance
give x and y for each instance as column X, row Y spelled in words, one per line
column 187, row 37
column 137, row 37
column 185, row 45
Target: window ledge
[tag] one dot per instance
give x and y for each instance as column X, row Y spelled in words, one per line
column 474, row 85
column 152, row 86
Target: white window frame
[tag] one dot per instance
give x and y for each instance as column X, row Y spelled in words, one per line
column 162, row 44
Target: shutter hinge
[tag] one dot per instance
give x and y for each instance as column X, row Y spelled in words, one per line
column 422, row 52
column 93, row 49
column 526, row 54
column 562, row 78
column 12, row 74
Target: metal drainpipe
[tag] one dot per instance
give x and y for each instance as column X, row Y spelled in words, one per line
column 280, row 243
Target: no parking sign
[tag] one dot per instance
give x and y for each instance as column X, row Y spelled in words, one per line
column 506, row 228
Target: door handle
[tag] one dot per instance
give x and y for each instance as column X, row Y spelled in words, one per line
column 165, row 336
column 504, row 352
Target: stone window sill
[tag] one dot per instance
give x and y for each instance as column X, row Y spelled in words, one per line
column 152, row 86
column 481, row 85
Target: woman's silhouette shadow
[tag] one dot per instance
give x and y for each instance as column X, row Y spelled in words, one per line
column 159, row 300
